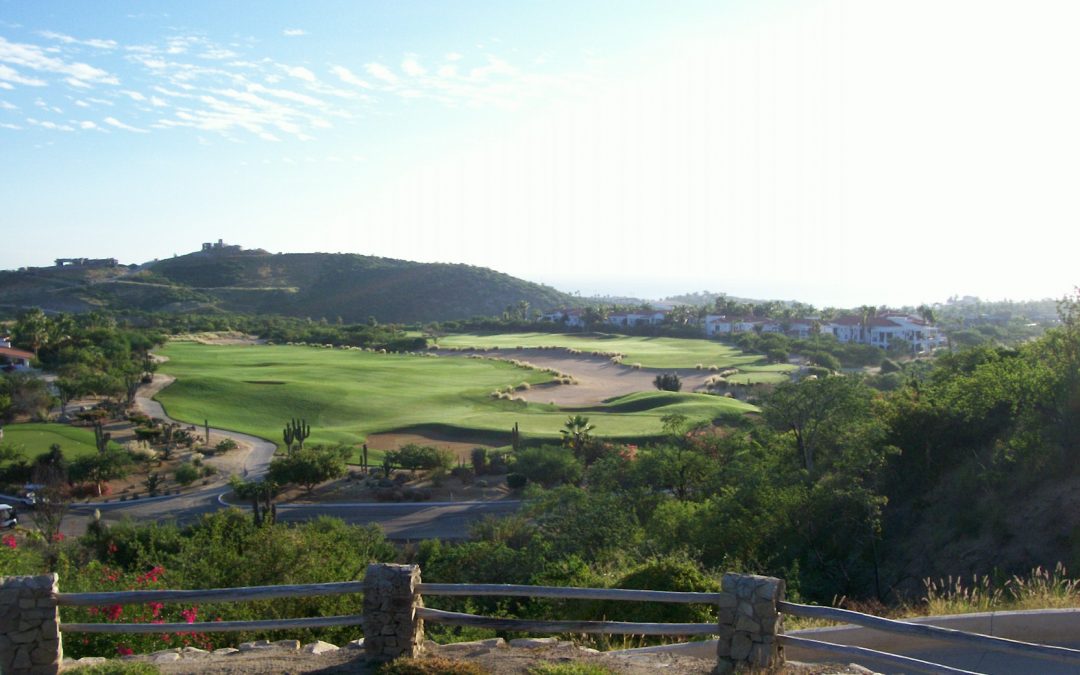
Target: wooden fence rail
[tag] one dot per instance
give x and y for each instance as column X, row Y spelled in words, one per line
column 213, row 626
column 593, row 627
column 997, row 644
column 209, row 595
column 563, row 592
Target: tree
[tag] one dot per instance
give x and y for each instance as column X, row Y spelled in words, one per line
column 310, row 466
column 668, row 382
column 112, row 463
column 548, row 465
column 32, row 330
column 575, row 433
column 29, row 395
column 818, row 413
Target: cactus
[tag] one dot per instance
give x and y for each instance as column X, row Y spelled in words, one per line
column 515, row 438
column 206, row 428
column 364, row 458
column 296, row 432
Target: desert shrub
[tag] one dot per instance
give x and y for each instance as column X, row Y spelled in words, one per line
column 548, row 465
column 668, row 382
column 226, row 445
column 463, row 473
column 516, row 481
column 497, row 463
column 186, row 474
column 479, row 457
column 422, row 457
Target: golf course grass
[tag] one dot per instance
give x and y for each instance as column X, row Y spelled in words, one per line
column 347, row 394
column 34, row 439
column 650, row 352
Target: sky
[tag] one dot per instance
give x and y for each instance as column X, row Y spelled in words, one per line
column 833, row 152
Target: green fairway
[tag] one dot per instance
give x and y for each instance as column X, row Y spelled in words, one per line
column 34, row 439
column 347, row 394
column 650, row 352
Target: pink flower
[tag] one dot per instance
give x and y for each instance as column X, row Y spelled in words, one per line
column 190, row 614
column 10, row 542
column 113, row 612
column 59, row 536
column 124, row 650
column 155, row 608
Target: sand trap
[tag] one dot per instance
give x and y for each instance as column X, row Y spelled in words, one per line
column 598, row 378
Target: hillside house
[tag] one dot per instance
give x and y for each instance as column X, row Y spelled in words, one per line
column 631, row 319
column 571, row 318
column 13, row 359
column 881, row 330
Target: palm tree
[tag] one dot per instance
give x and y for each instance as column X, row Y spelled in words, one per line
column 575, row 433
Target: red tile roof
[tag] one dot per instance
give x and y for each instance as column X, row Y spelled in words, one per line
column 13, row 353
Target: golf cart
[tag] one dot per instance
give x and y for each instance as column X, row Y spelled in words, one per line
column 7, row 517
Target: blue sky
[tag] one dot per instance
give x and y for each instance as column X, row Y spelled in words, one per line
column 834, row 152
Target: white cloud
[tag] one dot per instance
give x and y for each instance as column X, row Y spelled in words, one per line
column 293, row 32
column 134, row 95
column 87, row 124
column 348, row 77
column 36, row 58
column 5, row 105
column 8, row 125
column 158, row 102
column 67, row 39
column 452, row 56
column 411, row 66
column 300, row 73
column 82, row 104
column 76, row 82
column 381, row 72
column 112, row 121
column 49, row 125
column 9, row 74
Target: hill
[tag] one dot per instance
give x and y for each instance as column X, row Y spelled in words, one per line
column 317, row 285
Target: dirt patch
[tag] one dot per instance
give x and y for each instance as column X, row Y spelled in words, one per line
column 358, row 488
column 460, row 446
column 222, row 338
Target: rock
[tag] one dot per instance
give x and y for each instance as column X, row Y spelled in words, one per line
column 533, row 643
column 91, row 660
column 166, row 658
column 291, row 645
column 225, row 651
column 319, row 647
column 257, row 644
column 355, row 644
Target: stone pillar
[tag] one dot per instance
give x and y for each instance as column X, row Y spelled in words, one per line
column 749, row 623
column 391, row 627
column 29, row 626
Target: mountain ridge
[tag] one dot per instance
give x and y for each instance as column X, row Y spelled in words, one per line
column 349, row 286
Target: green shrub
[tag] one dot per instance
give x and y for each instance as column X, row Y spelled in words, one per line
column 516, row 481
column 889, row 366
column 226, row 444
column 186, row 474
column 548, row 465
column 116, row 668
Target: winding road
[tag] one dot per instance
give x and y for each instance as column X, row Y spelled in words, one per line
column 412, row 521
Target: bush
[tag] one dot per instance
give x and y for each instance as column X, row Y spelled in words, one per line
column 889, row 366
column 516, row 481
column 668, row 382
column 548, row 465
column 186, row 474
column 413, row 457
column 226, row 445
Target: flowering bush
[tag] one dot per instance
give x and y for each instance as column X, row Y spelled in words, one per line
column 103, row 578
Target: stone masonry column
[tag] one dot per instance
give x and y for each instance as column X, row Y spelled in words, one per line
column 391, row 627
column 29, row 626
column 749, row 625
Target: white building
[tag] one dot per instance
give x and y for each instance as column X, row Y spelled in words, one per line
column 880, row 331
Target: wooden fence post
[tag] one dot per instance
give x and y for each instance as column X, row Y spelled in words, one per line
column 749, row 624
column 391, row 626
column 29, row 626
